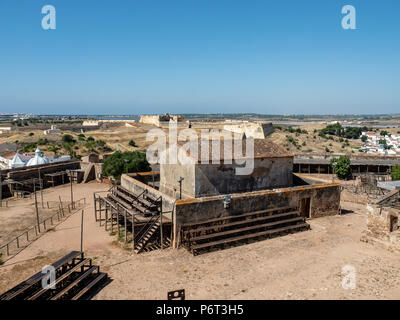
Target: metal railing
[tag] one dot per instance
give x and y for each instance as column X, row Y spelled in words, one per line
column 33, row 232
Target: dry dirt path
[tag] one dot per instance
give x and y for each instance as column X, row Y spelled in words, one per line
column 305, row 265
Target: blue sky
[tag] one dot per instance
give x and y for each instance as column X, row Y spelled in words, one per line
column 199, row 56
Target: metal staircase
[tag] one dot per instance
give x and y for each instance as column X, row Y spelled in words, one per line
column 146, row 233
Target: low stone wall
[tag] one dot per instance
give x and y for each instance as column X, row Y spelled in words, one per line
column 362, row 194
column 324, row 201
column 382, row 226
column 137, row 187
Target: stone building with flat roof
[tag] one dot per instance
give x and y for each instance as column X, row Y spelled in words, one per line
column 211, row 171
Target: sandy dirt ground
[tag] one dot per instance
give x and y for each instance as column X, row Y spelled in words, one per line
column 306, row 265
column 18, row 215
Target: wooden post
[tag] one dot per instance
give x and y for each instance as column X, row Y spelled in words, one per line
column 72, row 194
column 111, row 218
column 41, row 188
column 100, row 209
column 125, row 230
column 133, row 234
column 161, row 232
column 36, row 208
column 61, row 206
column 82, row 231
column 1, row 192
column 106, row 212
column 118, row 228
column 95, row 206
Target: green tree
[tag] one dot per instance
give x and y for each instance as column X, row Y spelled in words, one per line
column 123, row 162
column 341, row 167
column 364, row 138
column 395, row 172
column 67, row 138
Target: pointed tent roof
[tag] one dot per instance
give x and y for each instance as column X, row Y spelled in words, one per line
column 16, row 161
column 39, row 158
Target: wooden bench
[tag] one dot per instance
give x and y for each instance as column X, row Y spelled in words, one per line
column 237, row 223
column 196, row 247
column 36, row 278
column 258, row 226
column 239, row 216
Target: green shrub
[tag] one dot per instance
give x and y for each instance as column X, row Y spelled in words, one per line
column 395, row 172
column 123, row 162
column 341, row 167
column 68, row 138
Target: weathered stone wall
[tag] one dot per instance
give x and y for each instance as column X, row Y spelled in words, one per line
column 138, row 187
column 171, row 173
column 379, row 221
column 382, row 227
column 214, row 179
column 251, row 129
column 150, row 119
column 164, row 120
column 324, row 201
column 363, row 192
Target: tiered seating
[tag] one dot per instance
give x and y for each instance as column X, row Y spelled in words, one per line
column 213, row 233
column 75, row 277
column 145, row 203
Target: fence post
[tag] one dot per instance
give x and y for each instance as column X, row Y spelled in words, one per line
column 106, row 213
column 118, row 228
column 95, row 206
column 100, row 205
column 125, row 230
column 61, row 206
column 161, row 232
column 82, row 231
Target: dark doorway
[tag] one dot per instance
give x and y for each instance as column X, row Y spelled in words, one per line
column 393, row 223
column 305, row 207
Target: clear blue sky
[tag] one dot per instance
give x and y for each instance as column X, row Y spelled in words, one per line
column 199, row 56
